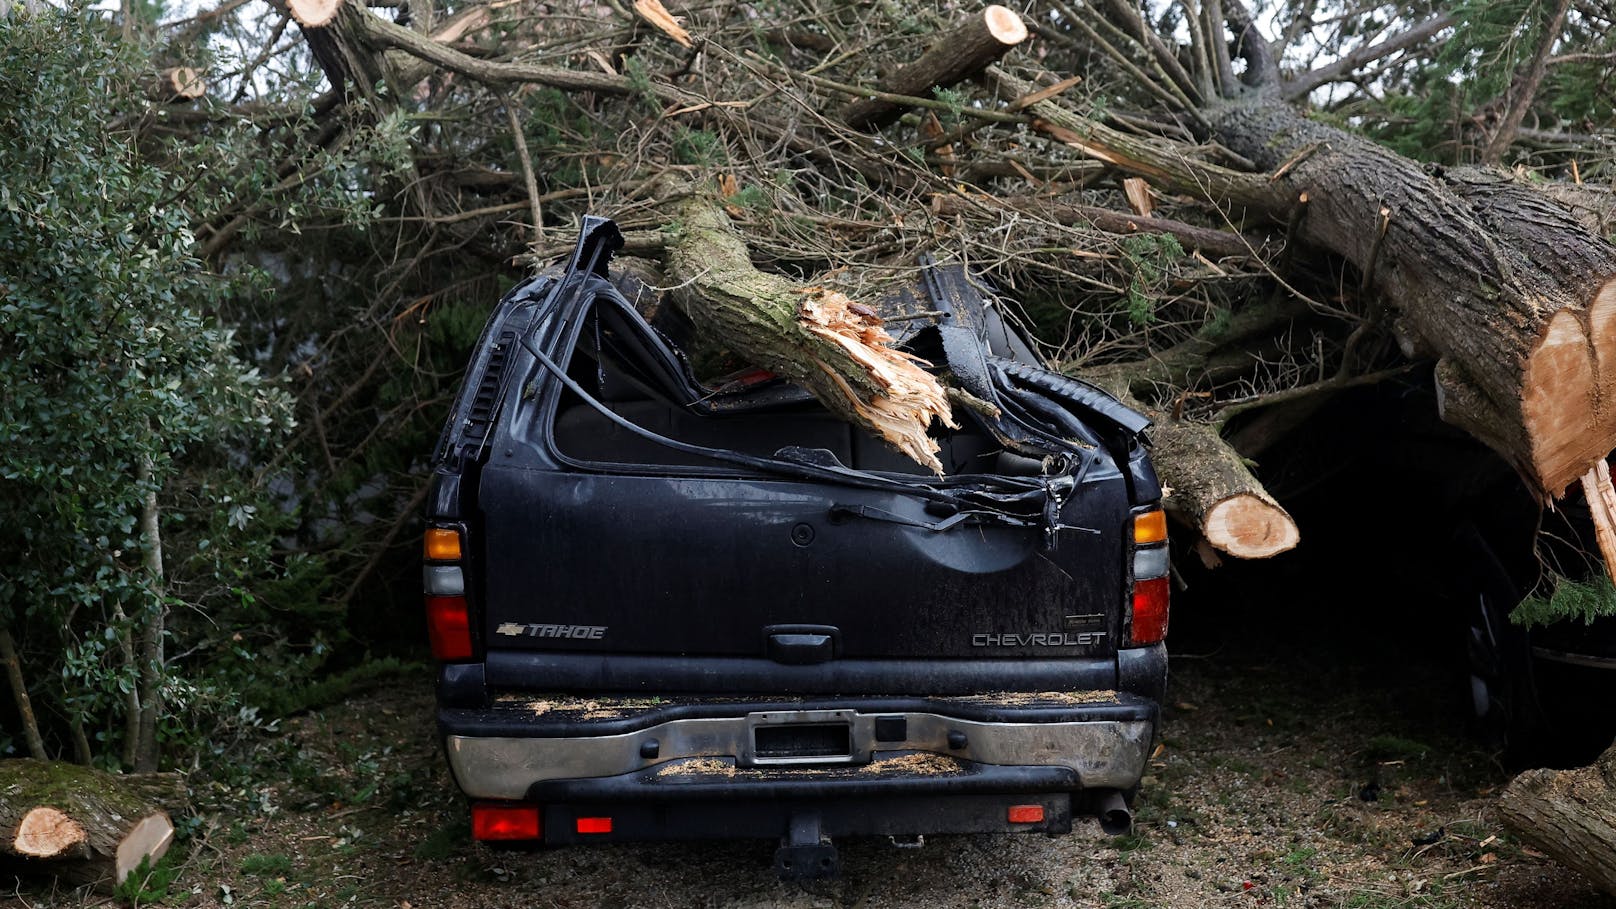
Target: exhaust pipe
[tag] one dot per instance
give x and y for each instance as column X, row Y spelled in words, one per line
column 1115, row 817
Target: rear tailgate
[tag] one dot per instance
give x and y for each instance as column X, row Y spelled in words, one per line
column 583, row 562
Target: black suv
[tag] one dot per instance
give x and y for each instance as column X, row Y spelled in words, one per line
column 667, row 610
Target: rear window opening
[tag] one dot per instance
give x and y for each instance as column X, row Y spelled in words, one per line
column 625, row 376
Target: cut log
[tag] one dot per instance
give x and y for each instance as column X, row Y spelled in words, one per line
column 952, row 58
column 176, row 85
column 1208, row 486
column 810, row 334
column 81, row 825
column 1214, row 492
column 1570, row 815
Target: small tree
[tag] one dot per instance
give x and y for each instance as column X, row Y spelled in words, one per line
column 124, row 405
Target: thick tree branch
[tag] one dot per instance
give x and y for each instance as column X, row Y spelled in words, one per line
column 1301, row 85
column 1524, row 90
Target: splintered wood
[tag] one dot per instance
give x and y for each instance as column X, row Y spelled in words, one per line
column 912, row 396
column 1601, row 498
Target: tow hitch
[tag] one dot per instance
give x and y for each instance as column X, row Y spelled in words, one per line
column 805, row 854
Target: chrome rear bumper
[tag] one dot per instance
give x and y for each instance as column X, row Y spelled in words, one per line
column 1106, row 752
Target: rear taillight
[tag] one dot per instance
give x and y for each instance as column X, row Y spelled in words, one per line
column 1149, row 612
column 448, row 624
column 1147, row 619
column 448, row 616
column 505, row 822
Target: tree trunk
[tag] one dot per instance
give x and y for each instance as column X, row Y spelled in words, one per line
column 151, row 639
column 952, row 58
column 80, row 825
column 1513, row 295
column 1569, row 814
column 19, row 695
column 812, row 335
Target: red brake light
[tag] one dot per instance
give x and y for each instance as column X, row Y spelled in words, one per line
column 505, row 822
column 1149, row 612
column 594, row 825
column 448, row 624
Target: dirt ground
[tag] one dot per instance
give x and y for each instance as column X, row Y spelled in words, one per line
column 1284, row 778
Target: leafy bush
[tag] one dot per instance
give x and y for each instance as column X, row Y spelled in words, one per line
column 132, row 528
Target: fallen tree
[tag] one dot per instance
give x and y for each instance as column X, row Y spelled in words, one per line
column 1450, row 263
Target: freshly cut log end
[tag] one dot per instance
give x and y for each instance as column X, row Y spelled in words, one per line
column 46, row 832
column 1005, row 25
column 1248, row 526
column 178, row 84
column 313, row 13
column 147, row 840
column 1560, row 404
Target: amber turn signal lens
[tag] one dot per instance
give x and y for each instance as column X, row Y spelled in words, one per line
column 442, row 545
column 1150, row 527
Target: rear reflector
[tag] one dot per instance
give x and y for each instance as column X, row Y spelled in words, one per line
column 448, row 625
column 505, row 822
column 442, row 544
column 450, row 580
column 1025, row 814
column 1148, row 562
column 1150, row 527
column 1149, row 612
column 594, row 825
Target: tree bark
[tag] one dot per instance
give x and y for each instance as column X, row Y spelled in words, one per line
column 1569, row 814
column 82, row 825
column 952, row 58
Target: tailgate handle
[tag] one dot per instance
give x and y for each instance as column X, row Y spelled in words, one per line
column 799, row 645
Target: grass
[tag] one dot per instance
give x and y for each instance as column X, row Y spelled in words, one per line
column 274, row 864
column 1395, row 748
